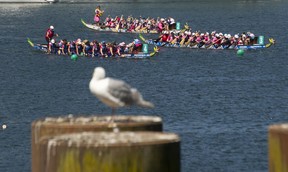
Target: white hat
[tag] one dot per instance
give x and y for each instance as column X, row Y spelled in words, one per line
column 52, row 27
column 122, row 44
column 236, row 36
column 52, row 41
column 161, row 19
column 78, row 41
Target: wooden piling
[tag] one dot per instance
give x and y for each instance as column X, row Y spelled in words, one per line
column 111, row 152
column 278, row 148
column 53, row 126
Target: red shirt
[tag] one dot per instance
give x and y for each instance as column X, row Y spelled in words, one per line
column 49, row 33
column 164, row 38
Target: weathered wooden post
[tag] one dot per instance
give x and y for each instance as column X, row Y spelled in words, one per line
column 110, row 152
column 53, row 126
column 278, row 148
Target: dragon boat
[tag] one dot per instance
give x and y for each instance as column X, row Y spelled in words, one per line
column 122, row 30
column 108, row 29
column 139, row 55
column 210, row 46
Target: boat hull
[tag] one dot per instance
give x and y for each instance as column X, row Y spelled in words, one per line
column 140, row 55
column 232, row 47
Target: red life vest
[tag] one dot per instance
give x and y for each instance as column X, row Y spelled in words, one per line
column 164, row 38
column 49, row 33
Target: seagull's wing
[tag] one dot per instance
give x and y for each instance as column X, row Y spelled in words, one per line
column 120, row 90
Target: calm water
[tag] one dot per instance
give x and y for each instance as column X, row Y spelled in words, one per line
column 220, row 104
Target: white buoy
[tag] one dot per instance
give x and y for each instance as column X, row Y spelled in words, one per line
column 4, row 126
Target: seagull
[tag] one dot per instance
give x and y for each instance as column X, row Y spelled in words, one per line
column 115, row 93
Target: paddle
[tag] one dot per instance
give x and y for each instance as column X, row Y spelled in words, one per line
column 33, row 45
column 142, row 38
column 142, row 29
column 183, row 40
column 174, row 40
column 165, row 44
column 157, row 40
column 192, row 44
column 30, row 42
column 188, row 42
column 138, row 27
column 116, row 29
column 212, row 43
column 209, row 45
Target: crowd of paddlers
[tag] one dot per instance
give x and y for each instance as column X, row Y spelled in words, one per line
column 198, row 38
column 134, row 24
column 93, row 48
column 138, row 24
column 165, row 26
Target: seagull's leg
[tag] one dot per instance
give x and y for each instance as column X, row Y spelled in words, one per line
column 113, row 114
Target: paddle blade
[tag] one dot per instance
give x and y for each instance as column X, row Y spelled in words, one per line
column 30, row 42
column 174, row 41
column 141, row 37
column 83, row 22
column 117, row 27
column 182, row 41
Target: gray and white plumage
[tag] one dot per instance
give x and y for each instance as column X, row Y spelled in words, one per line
column 115, row 93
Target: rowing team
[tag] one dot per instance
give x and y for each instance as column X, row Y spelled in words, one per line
column 134, row 24
column 93, row 48
column 216, row 39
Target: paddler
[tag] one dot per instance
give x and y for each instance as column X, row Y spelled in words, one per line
column 171, row 37
column 216, row 41
column 50, row 34
column 226, row 41
column 161, row 25
column 52, row 47
column 63, row 47
column 98, row 14
column 111, row 49
column 207, row 41
column 95, row 48
column 78, row 46
column 121, row 48
column 163, row 37
column 135, row 46
column 103, row 49
column 171, row 23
